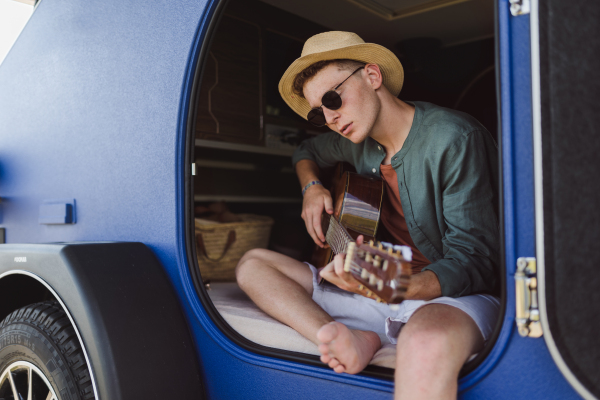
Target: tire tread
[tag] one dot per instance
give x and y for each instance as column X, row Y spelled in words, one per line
column 53, row 321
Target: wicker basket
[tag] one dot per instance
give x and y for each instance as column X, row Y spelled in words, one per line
column 221, row 245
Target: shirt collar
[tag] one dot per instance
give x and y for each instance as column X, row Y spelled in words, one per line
column 412, row 134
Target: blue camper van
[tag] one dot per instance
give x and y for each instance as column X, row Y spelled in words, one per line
column 119, row 120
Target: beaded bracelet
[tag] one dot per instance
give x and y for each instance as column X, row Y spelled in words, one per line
column 309, row 184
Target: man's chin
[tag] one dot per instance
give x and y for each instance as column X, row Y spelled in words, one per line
column 355, row 137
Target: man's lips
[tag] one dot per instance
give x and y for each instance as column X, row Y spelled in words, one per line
column 345, row 129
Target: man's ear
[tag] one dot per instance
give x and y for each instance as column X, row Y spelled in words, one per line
column 374, row 75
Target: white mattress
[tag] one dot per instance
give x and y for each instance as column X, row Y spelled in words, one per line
column 243, row 316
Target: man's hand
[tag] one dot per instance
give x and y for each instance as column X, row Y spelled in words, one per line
column 423, row 286
column 334, row 273
column 316, row 199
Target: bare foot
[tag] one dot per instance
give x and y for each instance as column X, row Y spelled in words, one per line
column 346, row 350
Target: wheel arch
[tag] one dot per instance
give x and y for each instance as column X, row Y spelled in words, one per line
column 20, row 288
column 125, row 312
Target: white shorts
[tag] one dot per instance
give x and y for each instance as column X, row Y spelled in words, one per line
column 359, row 312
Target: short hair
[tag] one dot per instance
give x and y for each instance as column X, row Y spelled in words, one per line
column 309, row 72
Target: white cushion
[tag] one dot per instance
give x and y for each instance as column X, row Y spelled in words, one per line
column 252, row 323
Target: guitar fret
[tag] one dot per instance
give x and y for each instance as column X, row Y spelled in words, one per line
column 337, row 237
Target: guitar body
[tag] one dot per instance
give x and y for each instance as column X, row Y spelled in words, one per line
column 382, row 269
column 357, row 206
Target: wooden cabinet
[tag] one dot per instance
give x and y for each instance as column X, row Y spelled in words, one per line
column 238, row 97
column 230, row 98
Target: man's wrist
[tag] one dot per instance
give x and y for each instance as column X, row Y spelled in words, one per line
column 309, row 184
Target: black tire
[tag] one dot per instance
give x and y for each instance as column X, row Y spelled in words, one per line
column 41, row 334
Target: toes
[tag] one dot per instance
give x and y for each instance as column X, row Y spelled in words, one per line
column 324, row 348
column 333, row 363
column 339, row 369
column 325, row 358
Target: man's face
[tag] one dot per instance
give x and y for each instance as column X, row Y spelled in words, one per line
column 360, row 104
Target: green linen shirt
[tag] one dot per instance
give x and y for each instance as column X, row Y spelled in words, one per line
column 448, row 182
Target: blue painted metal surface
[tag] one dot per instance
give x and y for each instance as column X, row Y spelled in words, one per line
column 98, row 93
column 525, row 369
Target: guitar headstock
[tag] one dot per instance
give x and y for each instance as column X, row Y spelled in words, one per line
column 382, row 268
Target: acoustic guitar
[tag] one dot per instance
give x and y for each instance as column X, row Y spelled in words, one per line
column 382, row 269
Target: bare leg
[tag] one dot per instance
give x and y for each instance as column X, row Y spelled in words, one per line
column 282, row 287
column 432, row 348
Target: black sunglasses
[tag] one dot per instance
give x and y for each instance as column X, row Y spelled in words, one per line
column 331, row 100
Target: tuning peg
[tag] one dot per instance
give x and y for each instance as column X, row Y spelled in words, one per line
column 377, row 261
column 372, row 279
column 369, row 257
column 380, row 285
column 364, row 274
column 369, row 293
column 380, row 246
column 349, row 256
column 361, row 287
column 386, row 264
column 371, row 243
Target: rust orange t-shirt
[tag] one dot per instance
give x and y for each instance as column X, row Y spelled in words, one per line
column 392, row 217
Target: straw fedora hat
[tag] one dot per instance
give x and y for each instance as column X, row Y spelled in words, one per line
column 340, row 45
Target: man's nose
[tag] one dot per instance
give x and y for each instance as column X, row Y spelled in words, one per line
column 331, row 116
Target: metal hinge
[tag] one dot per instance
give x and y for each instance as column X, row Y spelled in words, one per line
column 193, row 169
column 528, row 314
column 519, row 7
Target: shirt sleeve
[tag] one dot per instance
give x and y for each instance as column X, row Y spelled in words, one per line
column 471, row 240
column 326, row 150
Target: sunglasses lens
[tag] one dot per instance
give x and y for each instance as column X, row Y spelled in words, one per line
column 332, row 100
column 316, row 117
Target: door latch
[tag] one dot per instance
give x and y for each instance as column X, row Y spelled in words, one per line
column 519, row 7
column 528, row 314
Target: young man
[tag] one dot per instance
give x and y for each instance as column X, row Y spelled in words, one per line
column 440, row 173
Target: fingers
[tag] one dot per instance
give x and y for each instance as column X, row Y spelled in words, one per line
column 338, row 265
column 328, row 273
column 309, row 228
column 312, row 209
column 328, row 204
column 318, row 228
column 360, row 240
column 310, row 222
column 328, row 268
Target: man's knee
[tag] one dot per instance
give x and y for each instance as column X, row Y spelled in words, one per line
column 260, row 265
column 245, row 266
column 424, row 341
column 440, row 332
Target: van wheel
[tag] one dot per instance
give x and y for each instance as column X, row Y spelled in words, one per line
column 40, row 356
